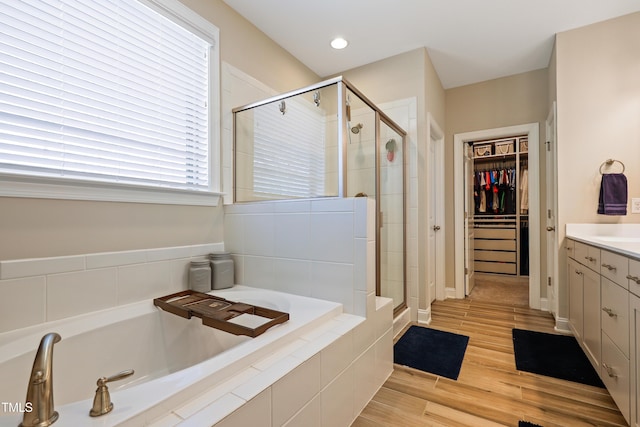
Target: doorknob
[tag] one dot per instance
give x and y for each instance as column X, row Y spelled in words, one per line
column 551, row 229
column 436, row 227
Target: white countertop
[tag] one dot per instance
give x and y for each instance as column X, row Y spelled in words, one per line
column 620, row 238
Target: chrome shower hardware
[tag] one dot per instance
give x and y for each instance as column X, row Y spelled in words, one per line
column 356, row 129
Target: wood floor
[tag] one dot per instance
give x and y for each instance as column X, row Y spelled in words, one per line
column 489, row 391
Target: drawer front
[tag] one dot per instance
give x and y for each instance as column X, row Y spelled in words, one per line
column 634, row 276
column 494, row 256
column 588, row 255
column 580, row 252
column 615, row 314
column 495, row 245
column 494, row 267
column 494, row 233
column 615, row 268
column 615, row 375
column 570, row 247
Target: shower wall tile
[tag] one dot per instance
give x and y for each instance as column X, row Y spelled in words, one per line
column 14, row 315
column 259, row 272
column 332, row 236
column 293, row 235
column 332, row 205
column 259, row 235
column 293, row 276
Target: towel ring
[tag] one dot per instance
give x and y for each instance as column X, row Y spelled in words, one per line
column 609, row 162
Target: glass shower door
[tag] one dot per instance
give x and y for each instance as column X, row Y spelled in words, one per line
column 391, row 222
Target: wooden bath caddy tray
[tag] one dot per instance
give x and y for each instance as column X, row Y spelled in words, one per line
column 220, row 313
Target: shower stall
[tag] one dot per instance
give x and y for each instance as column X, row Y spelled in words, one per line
column 328, row 140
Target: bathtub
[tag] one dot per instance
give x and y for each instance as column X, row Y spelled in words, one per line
column 174, row 359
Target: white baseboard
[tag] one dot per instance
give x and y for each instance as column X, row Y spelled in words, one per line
column 562, row 325
column 450, row 293
column 424, row 316
column 544, row 304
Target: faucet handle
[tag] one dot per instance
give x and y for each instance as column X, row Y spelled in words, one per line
column 102, row 400
column 119, row 376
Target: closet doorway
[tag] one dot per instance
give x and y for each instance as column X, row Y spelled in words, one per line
column 500, row 220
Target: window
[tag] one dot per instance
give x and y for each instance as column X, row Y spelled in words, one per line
column 289, row 151
column 116, row 94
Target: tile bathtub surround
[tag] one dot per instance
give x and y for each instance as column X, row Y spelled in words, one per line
column 320, row 248
column 60, row 287
column 324, row 378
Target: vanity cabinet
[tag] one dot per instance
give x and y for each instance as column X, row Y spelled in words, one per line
column 584, row 300
column 634, row 353
column 604, row 315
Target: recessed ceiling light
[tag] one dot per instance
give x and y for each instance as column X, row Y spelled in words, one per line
column 339, row 43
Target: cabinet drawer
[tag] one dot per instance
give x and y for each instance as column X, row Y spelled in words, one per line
column 588, row 255
column 634, row 276
column 495, row 245
column 494, row 233
column 615, row 375
column 615, row 314
column 570, row 247
column 615, row 267
column 494, row 256
column 494, row 267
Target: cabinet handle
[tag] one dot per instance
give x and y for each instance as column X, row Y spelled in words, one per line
column 609, row 267
column 609, row 370
column 634, row 278
column 590, row 258
column 609, row 311
column 579, row 272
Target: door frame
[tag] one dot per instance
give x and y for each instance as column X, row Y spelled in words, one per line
column 532, row 130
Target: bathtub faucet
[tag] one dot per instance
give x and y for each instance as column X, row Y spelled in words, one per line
column 40, row 388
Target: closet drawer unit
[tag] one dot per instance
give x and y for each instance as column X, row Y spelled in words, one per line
column 494, row 256
column 494, row 267
column 615, row 314
column 634, row 276
column 587, row 255
column 615, row 267
column 615, row 374
column 495, row 245
column 494, row 233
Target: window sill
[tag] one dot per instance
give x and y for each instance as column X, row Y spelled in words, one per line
column 58, row 188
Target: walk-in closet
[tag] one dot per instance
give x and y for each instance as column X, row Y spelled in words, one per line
column 501, row 216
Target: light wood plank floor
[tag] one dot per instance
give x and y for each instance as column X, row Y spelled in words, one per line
column 489, row 391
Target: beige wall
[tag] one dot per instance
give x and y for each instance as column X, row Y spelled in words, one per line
column 598, row 96
column 41, row 227
column 507, row 101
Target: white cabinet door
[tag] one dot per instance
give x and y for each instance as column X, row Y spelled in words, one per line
column 575, row 272
column 634, row 348
column 591, row 334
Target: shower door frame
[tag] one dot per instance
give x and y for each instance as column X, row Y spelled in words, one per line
column 380, row 117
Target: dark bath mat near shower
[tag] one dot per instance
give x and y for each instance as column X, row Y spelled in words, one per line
column 557, row 356
column 432, row 351
column 527, row 424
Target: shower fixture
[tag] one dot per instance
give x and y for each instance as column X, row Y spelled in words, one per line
column 356, row 129
column 316, row 98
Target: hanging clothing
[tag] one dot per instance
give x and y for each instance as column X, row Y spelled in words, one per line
column 524, row 190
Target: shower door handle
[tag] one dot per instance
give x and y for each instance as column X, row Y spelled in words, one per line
column 436, row 227
column 551, row 229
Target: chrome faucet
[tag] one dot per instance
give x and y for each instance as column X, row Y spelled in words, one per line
column 40, row 388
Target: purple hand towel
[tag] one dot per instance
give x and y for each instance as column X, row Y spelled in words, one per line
column 613, row 194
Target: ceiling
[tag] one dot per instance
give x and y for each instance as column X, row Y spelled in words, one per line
column 468, row 40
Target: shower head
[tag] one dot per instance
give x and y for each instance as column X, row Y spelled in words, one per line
column 356, row 129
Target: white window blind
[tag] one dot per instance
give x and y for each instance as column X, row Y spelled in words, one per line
column 289, row 150
column 103, row 90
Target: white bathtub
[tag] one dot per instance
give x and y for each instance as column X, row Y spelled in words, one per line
column 174, row 359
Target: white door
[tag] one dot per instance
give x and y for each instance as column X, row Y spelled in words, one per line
column 434, row 221
column 551, row 221
column 469, row 276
